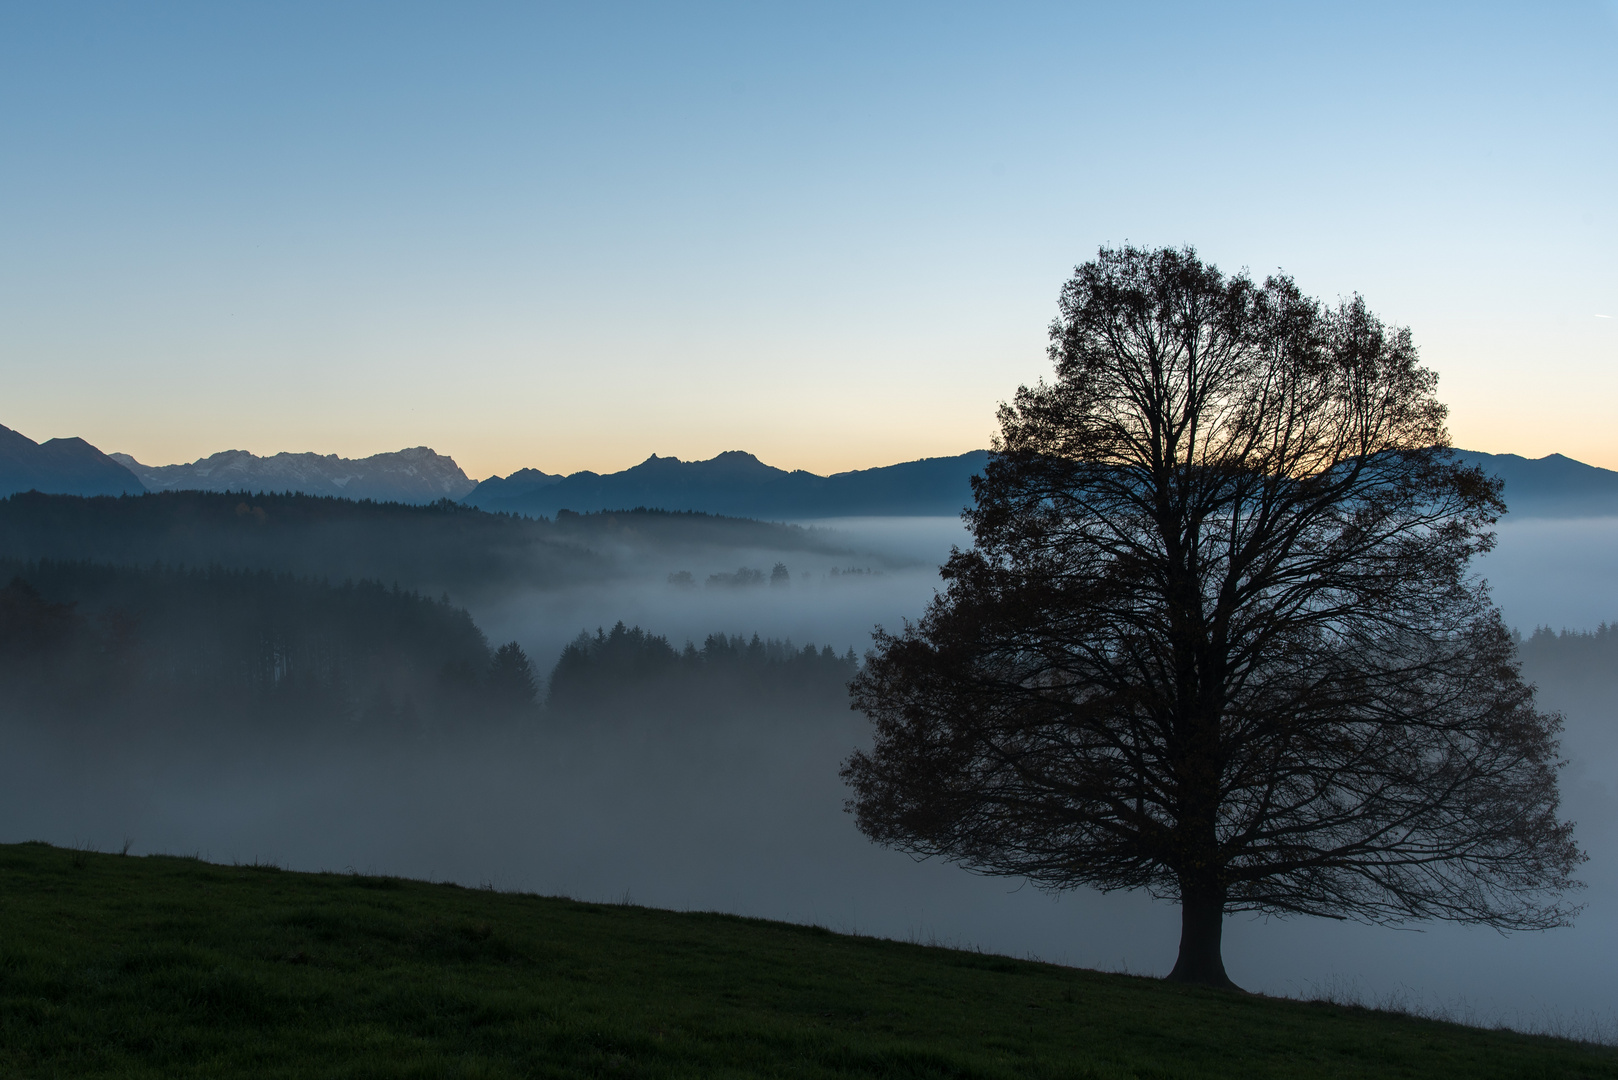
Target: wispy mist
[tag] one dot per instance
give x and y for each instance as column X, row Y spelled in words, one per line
column 734, row 802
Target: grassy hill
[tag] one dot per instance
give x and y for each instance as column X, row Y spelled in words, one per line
column 170, row 967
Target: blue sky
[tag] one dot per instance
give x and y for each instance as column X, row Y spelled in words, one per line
column 569, row 237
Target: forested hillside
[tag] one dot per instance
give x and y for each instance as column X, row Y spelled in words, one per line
column 434, row 548
column 162, row 648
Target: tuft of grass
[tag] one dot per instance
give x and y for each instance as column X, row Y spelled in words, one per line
column 156, row 966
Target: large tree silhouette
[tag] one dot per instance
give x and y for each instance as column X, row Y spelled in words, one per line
column 1216, row 636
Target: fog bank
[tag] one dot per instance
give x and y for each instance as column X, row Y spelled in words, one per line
column 740, row 808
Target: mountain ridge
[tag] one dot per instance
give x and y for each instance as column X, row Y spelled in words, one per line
column 738, row 484
column 414, row 475
column 67, row 466
column 1550, row 486
column 734, row 483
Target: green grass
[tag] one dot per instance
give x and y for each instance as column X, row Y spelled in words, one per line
column 168, row 967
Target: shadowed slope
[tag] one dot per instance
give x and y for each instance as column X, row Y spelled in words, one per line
column 738, row 483
column 171, row 967
column 60, row 467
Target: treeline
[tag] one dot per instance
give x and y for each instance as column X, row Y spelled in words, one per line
column 443, row 546
column 171, row 646
column 629, row 667
column 289, row 611
column 164, row 647
column 432, row 548
column 1571, row 656
column 744, row 577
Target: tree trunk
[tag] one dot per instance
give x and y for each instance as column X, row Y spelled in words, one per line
column 1202, row 914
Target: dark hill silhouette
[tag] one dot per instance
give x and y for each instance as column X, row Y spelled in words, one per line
column 435, row 547
column 1551, row 486
column 60, row 467
column 518, row 485
column 442, row 546
column 160, row 647
column 734, row 484
column 739, row 484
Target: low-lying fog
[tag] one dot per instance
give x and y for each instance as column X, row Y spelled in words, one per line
column 746, row 816
column 889, row 573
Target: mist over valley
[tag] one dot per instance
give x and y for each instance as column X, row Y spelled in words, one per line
column 267, row 706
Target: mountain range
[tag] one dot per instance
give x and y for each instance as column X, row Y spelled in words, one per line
column 734, row 483
column 417, row 475
column 738, row 484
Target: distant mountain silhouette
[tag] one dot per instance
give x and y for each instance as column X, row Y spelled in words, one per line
column 1551, row 486
column 738, row 484
column 417, row 475
column 734, row 484
column 60, row 467
column 518, row 485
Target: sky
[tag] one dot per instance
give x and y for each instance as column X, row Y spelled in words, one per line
column 568, row 237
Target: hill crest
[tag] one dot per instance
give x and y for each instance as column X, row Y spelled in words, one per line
column 737, row 483
column 68, row 466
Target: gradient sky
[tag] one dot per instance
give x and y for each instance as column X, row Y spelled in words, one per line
column 571, row 236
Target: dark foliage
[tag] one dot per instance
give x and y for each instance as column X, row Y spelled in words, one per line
column 443, row 546
column 672, row 529
column 511, row 678
column 1216, row 638
column 1572, row 655
column 1576, row 673
column 433, row 548
column 744, row 577
column 630, row 667
column 30, row 625
column 129, row 646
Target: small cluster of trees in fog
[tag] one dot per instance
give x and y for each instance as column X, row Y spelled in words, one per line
column 745, row 577
column 1581, row 647
column 629, row 664
column 1572, row 657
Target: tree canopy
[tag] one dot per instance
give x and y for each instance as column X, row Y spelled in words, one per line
column 629, row 667
column 1216, row 636
column 143, row 648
